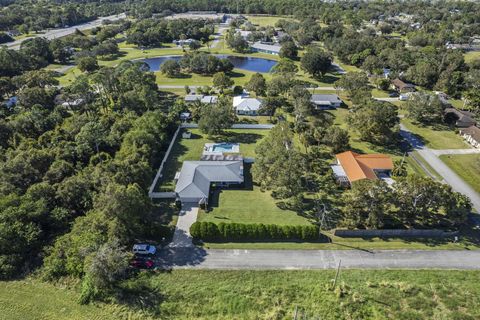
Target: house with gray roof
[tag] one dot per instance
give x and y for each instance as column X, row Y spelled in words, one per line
column 325, row 101
column 196, row 177
column 266, row 48
column 200, row 97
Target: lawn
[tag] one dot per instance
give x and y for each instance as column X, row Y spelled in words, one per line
column 264, row 20
column 248, row 205
column 31, row 299
column 192, row 149
column 467, row 166
column 361, row 294
column 472, row 55
column 440, row 137
column 269, row 294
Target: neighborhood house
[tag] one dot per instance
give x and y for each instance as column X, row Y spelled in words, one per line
column 351, row 166
column 401, row 86
column 471, row 135
column 266, row 48
column 200, row 97
column 325, row 101
column 461, row 118
column 194, row 180
column 246, row 106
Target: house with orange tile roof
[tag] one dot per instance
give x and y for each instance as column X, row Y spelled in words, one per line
column 351, row 166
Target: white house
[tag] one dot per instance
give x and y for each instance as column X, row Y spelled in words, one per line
column 325, row 101
column 266, row 48
column 471, row 135
column 246, row 105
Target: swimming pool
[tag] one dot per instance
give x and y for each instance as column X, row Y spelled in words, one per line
column 221, row 147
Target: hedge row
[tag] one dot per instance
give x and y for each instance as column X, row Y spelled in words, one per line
column 209, row 231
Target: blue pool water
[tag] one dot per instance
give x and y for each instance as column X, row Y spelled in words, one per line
column 245, row 63
column 223, row 147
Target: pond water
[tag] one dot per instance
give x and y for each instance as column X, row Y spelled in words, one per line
column 244, row 63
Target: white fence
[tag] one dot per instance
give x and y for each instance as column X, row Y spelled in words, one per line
column 159, row 172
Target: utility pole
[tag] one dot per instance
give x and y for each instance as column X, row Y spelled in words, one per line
column 336, row 275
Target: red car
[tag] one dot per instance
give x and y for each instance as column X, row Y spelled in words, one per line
column 142, row 263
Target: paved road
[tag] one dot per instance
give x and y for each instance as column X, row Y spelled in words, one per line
column 235, row 126
column 456, row 151
column 186, row 217
column 317, row 259
column 441, row 168
column 61, row 32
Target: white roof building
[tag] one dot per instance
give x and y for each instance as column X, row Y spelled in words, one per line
column 246, row 106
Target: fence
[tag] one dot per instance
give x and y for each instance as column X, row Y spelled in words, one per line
column 395, row 233
column 160, row 169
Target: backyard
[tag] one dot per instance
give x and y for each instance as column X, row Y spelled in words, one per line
column 192, row 149
column 467, row 166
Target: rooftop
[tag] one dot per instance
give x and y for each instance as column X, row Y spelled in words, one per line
column 246, row 103
column 473, row 132
column 363, row 166
column 196, row 176
column 267, row 47
column 325, row 99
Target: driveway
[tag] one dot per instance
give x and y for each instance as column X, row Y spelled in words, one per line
column 456, row 151
column 181, row 237
column 197, row 258
column 442, row 169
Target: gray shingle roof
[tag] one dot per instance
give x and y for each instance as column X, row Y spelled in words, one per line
column 196, row 176
column 322, row 98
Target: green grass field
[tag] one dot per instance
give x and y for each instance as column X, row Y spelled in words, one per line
column 264, row 20
column 467, row 166
column 472, row 55
column 246, row 295
column 436, row 138
column 248, row 205
column 31, row 299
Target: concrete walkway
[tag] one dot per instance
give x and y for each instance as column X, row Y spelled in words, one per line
column 441, row 168
column 317, row 259
column 456, row 151
column 186, row 217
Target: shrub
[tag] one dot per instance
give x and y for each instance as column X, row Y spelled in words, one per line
column 209, row 231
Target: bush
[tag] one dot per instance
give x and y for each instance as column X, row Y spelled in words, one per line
column 209, row 231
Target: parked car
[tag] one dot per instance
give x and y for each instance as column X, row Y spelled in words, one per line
column 144, row 249
column 142, row 262
column 403, row 97
column 393, row 95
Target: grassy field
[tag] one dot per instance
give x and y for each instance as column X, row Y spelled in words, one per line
column 436, row 138
column 228, row 295
column 467, row 166
column 472, row 55
column 31, row 299
column 264, row 21
column 248, row 205
column 360, row 294
column 192, row 149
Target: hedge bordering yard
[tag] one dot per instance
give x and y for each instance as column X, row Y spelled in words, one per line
column 212, row 232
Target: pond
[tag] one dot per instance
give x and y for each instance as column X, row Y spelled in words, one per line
column 244, row 63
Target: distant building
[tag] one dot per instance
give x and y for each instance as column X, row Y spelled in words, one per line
column 401, row 86
column 246, row 106
column 185, row 42
column 200, row 97
column 199, row 15
column 351, row 167
column 266, row 48
column 460, row 118
column 325, row 101
column 471, row 135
